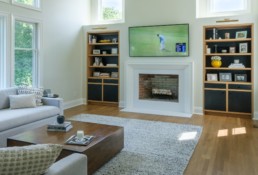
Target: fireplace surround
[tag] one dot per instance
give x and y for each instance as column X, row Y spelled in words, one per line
column 181, row 107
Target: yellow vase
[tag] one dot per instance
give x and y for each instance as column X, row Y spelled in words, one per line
column 216, row 63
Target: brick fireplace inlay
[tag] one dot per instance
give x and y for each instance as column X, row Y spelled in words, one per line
column 161, row 87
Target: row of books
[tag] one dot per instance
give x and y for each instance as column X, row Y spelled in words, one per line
column 64, row 127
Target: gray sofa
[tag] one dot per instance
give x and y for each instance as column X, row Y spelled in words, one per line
column 74, row 164
column 14, row 121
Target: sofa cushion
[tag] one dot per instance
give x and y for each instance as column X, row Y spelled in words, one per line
column 17, row 117
column 4, row 97
column 22, row 101
column 28, row 160
column 31, row 90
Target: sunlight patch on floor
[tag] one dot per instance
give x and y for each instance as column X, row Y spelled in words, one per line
column 188, row 136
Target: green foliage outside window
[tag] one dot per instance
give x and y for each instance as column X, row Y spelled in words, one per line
column 23, row 53
column 111, row 14
column 27, row 2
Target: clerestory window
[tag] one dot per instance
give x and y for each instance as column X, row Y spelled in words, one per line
column 111, row 11
column 216, row 8
column 33, row 4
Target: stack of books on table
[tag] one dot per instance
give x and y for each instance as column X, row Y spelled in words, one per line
column 64, row 127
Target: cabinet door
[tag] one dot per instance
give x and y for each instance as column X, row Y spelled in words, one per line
column 239, row 101
column 95, row 92
column 215, row 100
column 111, row 93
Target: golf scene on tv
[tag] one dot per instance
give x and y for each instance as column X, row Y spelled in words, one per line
column 159, row 41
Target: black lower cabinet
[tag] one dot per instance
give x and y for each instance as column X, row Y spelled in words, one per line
column 95, row 92
column 240, row 101
column 215, row 100
column 110, row 93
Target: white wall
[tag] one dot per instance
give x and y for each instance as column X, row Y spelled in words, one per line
column 63, row 50
column 153, row 12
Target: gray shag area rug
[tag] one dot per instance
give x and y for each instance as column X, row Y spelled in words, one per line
column 150, row 148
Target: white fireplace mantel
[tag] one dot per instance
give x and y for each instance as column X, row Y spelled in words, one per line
column 184, row 69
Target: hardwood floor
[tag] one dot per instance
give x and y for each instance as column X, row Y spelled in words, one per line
column 228, row 146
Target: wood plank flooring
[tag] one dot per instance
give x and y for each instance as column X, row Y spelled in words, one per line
column 228, row 146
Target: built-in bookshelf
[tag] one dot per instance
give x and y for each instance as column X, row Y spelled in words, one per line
column 103, row 66
column 228, row 81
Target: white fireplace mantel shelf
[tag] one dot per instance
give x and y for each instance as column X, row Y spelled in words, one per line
column 184, row 69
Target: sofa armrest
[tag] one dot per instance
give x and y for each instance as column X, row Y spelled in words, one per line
column 74, row 164
column 58, row 102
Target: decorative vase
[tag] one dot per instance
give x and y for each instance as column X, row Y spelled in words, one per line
column 60, row 119
column 216, row 63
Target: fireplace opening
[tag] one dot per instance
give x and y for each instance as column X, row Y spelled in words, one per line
column 159, row 87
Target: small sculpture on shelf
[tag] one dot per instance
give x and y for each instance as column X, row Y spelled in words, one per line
column 98, row 61
column 216, row 61
column 236, row 64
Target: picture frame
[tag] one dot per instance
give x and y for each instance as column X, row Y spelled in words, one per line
column 114, row 74
column 243, row 47
column 232, row 49
column 96, row 51
column 212, row 77
column 96, row 74
column 225, row 77
column 241, row 77
column 241, row 34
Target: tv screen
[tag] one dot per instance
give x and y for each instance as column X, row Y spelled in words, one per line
column 159, row 41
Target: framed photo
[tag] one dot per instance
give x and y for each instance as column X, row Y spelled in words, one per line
column 96, row 74
column 241, row 77
column 96, row 51
column 114, row 74
column 212, row 77
column 225, row 77
column 241, row 34
column 232, row 49
column 243, row 47
column 114, row 51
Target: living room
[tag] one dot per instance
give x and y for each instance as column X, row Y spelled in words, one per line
column 63, row 66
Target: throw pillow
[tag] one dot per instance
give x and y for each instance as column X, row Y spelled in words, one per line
column 22, row 101
column 31, row 90
column 28, row 160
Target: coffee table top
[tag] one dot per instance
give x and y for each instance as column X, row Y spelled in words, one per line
column 42, row 136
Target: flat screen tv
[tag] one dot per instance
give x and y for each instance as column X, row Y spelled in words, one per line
column 159, row 41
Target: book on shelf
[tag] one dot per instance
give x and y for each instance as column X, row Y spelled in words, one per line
column 74, row 140
column 62, row 129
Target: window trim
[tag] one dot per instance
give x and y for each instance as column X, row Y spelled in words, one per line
column 114, row 21
column 36, row 81
column 3, row 49
column 37, row 7
column 6, row 1
column 204, row 10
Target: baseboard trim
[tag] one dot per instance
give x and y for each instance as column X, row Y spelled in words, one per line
column 255, row 117
column 121, row 104
column 198, row 110
column 73, row 103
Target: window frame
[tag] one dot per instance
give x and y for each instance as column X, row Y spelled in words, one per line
column 204, row 10
column 36, row 61
column 3, row 49
column 113, row 21
column 37, row 6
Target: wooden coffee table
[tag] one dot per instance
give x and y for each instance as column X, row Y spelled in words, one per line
column 108, row 141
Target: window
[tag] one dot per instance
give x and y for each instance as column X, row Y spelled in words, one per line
column 25, row 53
column 216, row 8
column 111, row 11
column 34, row 4
column 2, row 51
